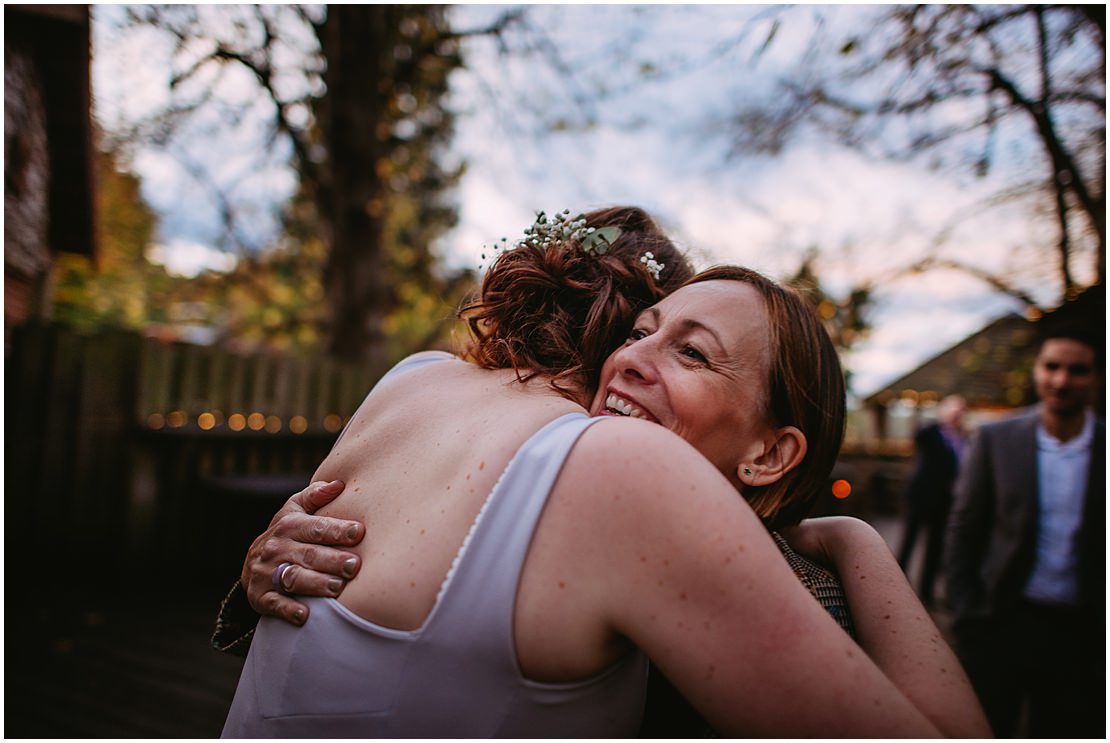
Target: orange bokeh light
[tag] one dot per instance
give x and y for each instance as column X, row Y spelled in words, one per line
column 841, row 488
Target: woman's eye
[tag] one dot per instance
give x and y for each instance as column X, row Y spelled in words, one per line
column 693, row 353
column 637, row 334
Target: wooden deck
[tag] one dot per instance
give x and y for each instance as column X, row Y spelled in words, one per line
column 131, row 667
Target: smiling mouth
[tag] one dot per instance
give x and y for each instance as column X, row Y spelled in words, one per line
column 616, row 405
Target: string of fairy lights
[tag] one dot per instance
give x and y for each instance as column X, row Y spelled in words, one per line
column 255, row 421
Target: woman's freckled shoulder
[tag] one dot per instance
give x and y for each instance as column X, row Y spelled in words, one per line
column 624, row 452
column 634, row 438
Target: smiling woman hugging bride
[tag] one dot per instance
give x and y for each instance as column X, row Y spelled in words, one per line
column 522, row 559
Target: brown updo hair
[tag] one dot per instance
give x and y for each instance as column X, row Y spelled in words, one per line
column 805, row 389
column 559, row 311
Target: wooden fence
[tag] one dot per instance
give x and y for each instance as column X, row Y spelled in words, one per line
column 133, row 453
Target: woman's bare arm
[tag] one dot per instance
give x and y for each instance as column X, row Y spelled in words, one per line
column 690, row 575
column 892, row 626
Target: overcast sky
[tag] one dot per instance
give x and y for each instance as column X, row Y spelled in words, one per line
column 659, row 146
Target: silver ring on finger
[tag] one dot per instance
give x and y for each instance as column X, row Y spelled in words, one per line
column 279, row 577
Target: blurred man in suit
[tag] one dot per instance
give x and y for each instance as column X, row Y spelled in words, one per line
column 1026, row 571
column 929, row 493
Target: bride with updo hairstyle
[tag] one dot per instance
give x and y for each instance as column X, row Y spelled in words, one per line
column 560, row 312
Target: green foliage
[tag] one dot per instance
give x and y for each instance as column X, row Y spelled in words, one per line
column 419, row 311
column 273, row 300
column 368, row 147
column 118, row 289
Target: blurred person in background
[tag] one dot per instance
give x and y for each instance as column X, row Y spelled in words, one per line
column 929, row 493
column 1026, row 554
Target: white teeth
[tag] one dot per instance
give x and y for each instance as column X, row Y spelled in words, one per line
column 617, row 405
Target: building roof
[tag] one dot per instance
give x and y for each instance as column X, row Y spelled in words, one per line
column 993, row 367
column 990, row 368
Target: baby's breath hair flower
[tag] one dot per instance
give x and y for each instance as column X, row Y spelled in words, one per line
column 547, row 232
column 653, row 267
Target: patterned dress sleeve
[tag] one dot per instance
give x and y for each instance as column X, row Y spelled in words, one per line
column 821, row 582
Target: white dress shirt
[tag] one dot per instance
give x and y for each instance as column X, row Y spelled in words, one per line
column 1062, row 470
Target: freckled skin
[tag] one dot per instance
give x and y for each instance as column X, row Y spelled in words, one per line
column 892, row 626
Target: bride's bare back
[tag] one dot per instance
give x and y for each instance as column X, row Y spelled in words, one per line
column 420, row 458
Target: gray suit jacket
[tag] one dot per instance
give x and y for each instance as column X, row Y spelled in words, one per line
column 992, row 528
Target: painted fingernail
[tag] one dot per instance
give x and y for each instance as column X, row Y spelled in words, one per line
column 298, row 616
column 334, row 585
column 349, row 567
column 352, row 531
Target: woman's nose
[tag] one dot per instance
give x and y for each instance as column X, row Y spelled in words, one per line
column 635, row 362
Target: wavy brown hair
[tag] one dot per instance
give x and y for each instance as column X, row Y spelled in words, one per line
column 805, row 389
column 559, row 312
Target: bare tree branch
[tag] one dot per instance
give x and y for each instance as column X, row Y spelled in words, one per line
column 1064, row 167
column 932, row 263
column 497, row 29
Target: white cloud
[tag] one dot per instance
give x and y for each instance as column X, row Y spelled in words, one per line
column 188, row 259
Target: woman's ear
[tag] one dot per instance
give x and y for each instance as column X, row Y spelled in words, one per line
column 783, row 450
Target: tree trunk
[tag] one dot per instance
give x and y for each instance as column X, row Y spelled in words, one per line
column 357, row 41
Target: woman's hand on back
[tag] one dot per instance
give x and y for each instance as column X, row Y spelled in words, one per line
column 309, row 544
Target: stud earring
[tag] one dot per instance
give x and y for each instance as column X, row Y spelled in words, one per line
column 748, row 471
